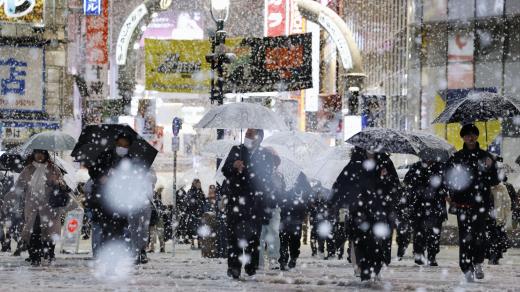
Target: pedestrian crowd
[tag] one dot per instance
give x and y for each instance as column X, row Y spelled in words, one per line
column 257, row 221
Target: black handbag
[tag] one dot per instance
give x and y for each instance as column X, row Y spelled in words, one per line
column 59, row 197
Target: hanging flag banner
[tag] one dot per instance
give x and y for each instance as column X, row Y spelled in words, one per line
column 22, row 11
column 262, row 64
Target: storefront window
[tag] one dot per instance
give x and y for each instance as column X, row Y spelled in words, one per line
column 512, row 7
column 488, row 74
column 461, row 9
column 489, row 43
column 435, row 10
column 489, row 7
column 512, row 78
column 513, row 41
column 434, row 45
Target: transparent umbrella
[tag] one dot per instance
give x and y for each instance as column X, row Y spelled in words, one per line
column 327, row 168
column 303, row 146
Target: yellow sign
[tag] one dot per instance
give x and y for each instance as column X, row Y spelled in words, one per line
column 27, row 11
column 451, row 132
column 180, row 65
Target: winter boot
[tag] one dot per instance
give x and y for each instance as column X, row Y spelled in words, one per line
column 419, row 259
column 469, row 276
column 479, row 272
column 400, row 252
column 162, row 250
column 142, row 258
column 233, row 273
column 292, row 263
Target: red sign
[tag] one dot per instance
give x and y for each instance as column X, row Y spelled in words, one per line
column 97, row 37
column 72, row 226
column 276, row 17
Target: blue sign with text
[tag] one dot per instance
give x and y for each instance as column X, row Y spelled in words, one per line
column 92, row 7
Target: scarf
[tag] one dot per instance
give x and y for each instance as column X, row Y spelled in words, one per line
column 39, row 178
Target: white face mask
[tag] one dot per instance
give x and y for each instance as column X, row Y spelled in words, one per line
column 249, row 143
column 121, row 151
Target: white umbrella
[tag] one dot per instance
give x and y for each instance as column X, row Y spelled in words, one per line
column 219, row 148
column 51, row 141
column 241, row 116
column 70, row 176
column 327, row 168
column 303, row 146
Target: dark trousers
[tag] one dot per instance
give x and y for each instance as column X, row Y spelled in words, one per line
column 290, row 242
column 340, row 237
column 427, row 236
column 243, row 239
column 472, row 225
column 39, row 248
column 403, row 237
column 370, row 255
column 497, row 241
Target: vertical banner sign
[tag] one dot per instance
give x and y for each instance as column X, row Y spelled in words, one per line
column 72, row 231
column 96, row 72
column 92, row 7
column 276, row 20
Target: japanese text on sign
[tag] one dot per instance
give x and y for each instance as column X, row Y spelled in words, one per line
column 92, row 7
column 15, row 82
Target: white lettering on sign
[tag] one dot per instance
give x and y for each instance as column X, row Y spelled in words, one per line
column 125, row 35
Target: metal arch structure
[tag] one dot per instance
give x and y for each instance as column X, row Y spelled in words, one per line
column 128, row 35
column 339, row 32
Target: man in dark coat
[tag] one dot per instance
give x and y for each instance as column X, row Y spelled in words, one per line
column 361, row 189
column 248, row 171
column 293, row 210
column 427, row 200
column 470, row 174
column 318, row 214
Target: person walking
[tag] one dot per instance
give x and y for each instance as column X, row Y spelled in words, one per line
column 248, row 171
column 427, row 203
column 37, row 183
column 361, row 189
column 293, row 210
column 470, row 174
column 156, row 222
column 194, row 211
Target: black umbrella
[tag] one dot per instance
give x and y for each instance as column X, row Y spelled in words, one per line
column 431, row 147
column 479, row 106
column 11, row 162
column 97, row 139
column 383, row 140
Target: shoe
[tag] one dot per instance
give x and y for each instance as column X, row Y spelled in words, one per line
column 493, row 262
column 36, row 263
column 17, row 252
column 292, row 263
column 283, row 267
column 357, row 272
column 377, row 278
column 433, row 263
column 141, row 258
column 470, row 278
column 162, row 250
column 233, row 273
column 400, row 252
column 419, row 259
column 150, row 251
column 250, row 272
column 479, row 272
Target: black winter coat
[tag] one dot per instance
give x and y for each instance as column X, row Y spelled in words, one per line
column 294, row 205
column 248, row 191
column 427, row 197
column 468, row 180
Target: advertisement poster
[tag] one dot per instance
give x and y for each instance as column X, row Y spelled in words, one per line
column 145, row 122
column 22, row 78
column 22, row 11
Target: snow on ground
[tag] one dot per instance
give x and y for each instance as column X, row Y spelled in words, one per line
column 187, row 271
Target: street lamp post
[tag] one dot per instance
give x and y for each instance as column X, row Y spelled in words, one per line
column 218, row 57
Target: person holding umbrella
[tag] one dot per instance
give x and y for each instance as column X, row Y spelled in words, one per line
column 470, row 174
column 427, row 200
column 361, row 188
column 39, row 181
column 248, row 171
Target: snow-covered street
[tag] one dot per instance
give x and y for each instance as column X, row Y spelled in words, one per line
column 189, row 272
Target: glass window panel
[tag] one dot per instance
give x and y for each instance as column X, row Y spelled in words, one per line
column 460, row 46
column 461, row 9
column 489, row 7
column 434, row 44
column 460, row 75
column 435, row 10
column 512, row 78
column 488, row 74
column 513, row 41
column 489, row 43
column 512, row 7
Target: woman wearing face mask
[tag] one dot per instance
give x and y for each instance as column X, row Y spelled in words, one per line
column 37, row 182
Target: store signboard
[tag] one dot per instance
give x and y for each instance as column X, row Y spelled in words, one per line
column 276, row 20
column 22, row 78
column 92, row 7
column 22, row 11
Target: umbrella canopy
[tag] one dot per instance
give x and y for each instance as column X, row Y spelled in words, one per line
column 51, row 141
column 219, row 148
column 479, row 106
column 241, row 116
column 431, row 147
column 97, row 139
column 69, row 172
column 383, row 140
column 327, row 168
column 303, row 146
